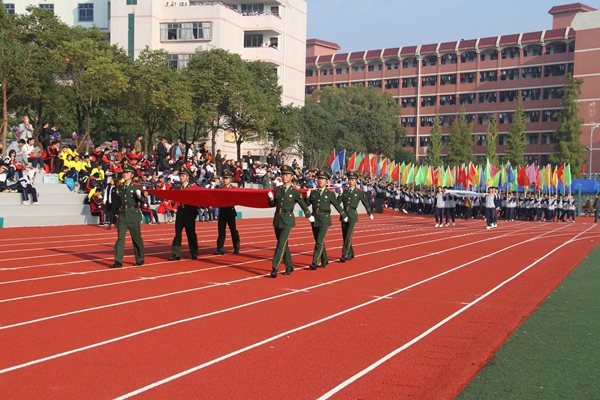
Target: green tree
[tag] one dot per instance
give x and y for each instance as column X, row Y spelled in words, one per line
column 160, row 93
column 283, row 130
column 250, row 110
column 515, row 147
column 93, row 74
column 316, row 133
column 436, row 142
column 16, row 58
column 491, row 134
column 368, row 119
column 213, row 78
column 404, row 156
column 569, row 148
column 461, row 141
column 43, row 33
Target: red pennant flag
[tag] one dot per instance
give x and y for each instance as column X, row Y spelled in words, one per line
column 582, row 169
column 373, row 165
column 351, row 162
column 331, row 158
column 559, row 172
column 396, row 174
column 522, row 178
column 384, row 167
column 472, row 174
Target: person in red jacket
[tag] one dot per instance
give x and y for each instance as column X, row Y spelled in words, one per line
column 97, row 207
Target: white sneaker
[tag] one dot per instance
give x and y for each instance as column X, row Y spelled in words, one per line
column 488, row 227
column 447, row 224
column 573, row 221
column 36, row 203
column 436, row 225
column 25, row 203
column 454, row 224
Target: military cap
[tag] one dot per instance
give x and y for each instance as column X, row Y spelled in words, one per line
column 184, row 171
column 322, row 174
column 352, row 175
column 227, row 174
column 286, row 169
column 128, row 168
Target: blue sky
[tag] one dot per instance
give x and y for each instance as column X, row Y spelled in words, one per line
column 374, row 24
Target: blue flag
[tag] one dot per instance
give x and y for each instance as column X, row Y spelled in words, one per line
column 511, row 174
column 335, row 165
column 342, row 159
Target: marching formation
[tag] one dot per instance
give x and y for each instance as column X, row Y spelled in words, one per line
column 283, row 198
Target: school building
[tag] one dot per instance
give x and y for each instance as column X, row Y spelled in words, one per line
column 486, row 76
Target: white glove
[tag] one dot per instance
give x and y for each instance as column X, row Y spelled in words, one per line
column 371, row 216
column 311, row 219
column 270, row 194
column 138, row 193
column 346, row 219
column 308, row 192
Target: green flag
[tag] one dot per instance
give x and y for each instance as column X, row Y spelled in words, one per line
column 567, row 175
column 411, row 175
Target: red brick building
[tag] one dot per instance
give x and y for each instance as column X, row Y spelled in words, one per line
column 486, row 75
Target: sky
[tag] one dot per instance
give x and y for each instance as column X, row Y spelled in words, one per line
column 357, row 25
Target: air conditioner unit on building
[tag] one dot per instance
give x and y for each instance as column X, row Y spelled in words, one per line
column 199, row 49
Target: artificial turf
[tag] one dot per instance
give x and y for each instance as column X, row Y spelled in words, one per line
column 555, row 353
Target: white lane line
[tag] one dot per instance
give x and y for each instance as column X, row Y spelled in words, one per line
column 439, row 324
column 66, row 274
column 240, row 306
column 311, row 324
column 109, row 250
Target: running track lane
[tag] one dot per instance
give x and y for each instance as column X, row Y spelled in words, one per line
column 327, row 270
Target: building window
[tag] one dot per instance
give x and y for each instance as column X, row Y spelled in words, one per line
column 338, row 71
column 310, row 89
column 188, row 31
column 376, row 83
column 410, row 62
column 10, row 9
column 532, row 50
column 259, row 8
column 448, row 59
column 309, row 72
column 409, row 82
column 509, row 74
column 392, row 83
column 131, row 2
column 511, row 52
column 448, row 100
column 448, row 79
column 358, row 69
column 552, row 93
column 502, row 140
column 49, row 7
column 179, row 61
column 86, row 12
column 409, row 102
column 130, row 34
column 556, row 48
column 532, row 138
column 342, row 85
column 480, row 140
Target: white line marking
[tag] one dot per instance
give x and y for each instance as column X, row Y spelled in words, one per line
column 240, row 306
column 273, row 338
column 439, row 324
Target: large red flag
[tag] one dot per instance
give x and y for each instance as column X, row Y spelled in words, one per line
column 351, row 162
column 331, row 158
column 384, row 167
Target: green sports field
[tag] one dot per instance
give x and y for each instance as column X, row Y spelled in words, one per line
column 555, row 353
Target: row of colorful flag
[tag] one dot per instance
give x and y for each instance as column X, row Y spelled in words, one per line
column 466, row 175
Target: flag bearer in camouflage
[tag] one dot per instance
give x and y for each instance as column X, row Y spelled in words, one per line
column 321, row 201
column 350, row 200
column 130, row 218
column 284, row 198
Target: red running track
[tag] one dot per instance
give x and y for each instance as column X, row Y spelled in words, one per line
column 417, row 313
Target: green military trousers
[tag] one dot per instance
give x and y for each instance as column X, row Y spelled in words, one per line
column 129, row 220
column 320, row 252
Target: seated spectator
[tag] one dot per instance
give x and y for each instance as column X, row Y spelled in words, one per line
column 11, row 162
column 97, row 207
column 33, row 155
column 7, row 184
column 168, row 209
column 28, row 188
column 148, row 211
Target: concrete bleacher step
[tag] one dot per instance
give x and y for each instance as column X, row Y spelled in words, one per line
column 58, row 206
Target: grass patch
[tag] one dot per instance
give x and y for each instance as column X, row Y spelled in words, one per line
column 555, row 353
